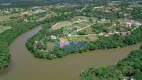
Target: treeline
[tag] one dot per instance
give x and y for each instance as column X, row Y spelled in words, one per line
column 136, row 13
column 7, row 37
column 100, row 14
column 126, row 69
column 35, row 16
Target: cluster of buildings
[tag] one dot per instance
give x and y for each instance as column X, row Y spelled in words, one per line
column 63, row 41
column 10, row 10
column 36, row 10
column 131, row 23
column 60, row 5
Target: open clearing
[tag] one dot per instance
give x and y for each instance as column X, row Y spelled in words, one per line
column 61, row 24
column 83, row 38
column 79, row 21
column 135, row 5
column 86, row 29
column 83, row 24
column 4, row 28
column 6, row 17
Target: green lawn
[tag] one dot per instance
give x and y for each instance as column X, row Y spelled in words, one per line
column 83, row 38
column 72, row 23
column 61, row 24
column 83, row 24
column 6, row 17
column 135, row 5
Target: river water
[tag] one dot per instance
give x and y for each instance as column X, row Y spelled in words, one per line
column 24, row 66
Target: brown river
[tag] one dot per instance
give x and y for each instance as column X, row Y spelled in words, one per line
column 24, row 66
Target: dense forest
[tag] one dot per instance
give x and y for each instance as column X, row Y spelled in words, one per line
column 128, row 68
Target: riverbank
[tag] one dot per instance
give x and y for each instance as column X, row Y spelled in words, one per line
column 23, row 66
column 109, row 42
column 127, row 68
column 7, row 37
column 18, row 28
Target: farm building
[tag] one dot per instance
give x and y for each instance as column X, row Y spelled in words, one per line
column 63, row 42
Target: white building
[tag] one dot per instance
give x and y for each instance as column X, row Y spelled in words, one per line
column 137, row 24
column 129, row 24
column 53, row 37
column 103, row 19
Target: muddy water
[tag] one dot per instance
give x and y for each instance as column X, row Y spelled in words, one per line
column 24, row 66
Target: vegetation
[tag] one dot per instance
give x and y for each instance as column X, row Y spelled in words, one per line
column 7, row 37
column 137, row 13
column 98, row 28
column 138, row 75
column 113, row 41
column 130, row 67
column 38, row 44
column 19, row 26
column 3, row 28
column 40, row 41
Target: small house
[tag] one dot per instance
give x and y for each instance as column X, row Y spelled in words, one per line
column 129, row 24
column 103, row 19
column 64, row 42
column 53, row 37
column 99, row 7
column 137, row 24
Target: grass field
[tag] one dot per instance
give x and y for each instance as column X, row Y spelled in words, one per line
column 85, row 29
column 61, row 24
column 79, row 21
column 88, row 30
column 4, row 28
column 6, row 17
column 83, row 24
column 135, row 5
column 83, row 38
